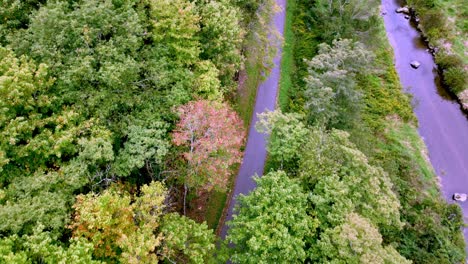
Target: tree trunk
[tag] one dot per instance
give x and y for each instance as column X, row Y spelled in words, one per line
column 185, row 196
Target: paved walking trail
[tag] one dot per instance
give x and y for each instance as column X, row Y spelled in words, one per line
column 255, row 151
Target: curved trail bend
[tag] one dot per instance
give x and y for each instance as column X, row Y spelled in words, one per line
column 255, row 150
column 442, row 124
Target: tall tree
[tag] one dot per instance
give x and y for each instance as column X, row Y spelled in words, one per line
column 14, row 15
column 336, row 173
column 134, row 229
column 221, row 36
column 271, row 224
column 354, row 241
column 95, row 61
column 213, row 135
column 175, row 26
column 42, row 247
column 207, row 84
column 23, row 102
column 145, row 146
column 118, row 228
column 345, row 18
column 186, row 241
column 45, row 150
column 332, row 97
column 287, row 135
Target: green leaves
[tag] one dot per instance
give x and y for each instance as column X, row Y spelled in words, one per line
column 207, row 84
column 86, row 55
column 185, row 240
column 37, row 141
column 132, row 229
column 287, row 135
column 271, row 224
column 332, row 97
column 41, row 247
column 354, row 241
column 115, row 225
column 144, row 145
column 176, row 24
column 344, row 19
column 221, row 37
column 336, row 173
column 42, row 198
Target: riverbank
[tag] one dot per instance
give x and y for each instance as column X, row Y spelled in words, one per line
column 387, row 135
column 441, row 122
column 442, row 24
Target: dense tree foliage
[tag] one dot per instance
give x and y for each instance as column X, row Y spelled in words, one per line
column 287, row 136
column 135, row 51
column 372, row 191
column 342, row 18
column 111, row 111
column 332, row 97
column 336, row 172
column 186, row 241
column 135, row 229
column 38, row 137
column 331, row 176
column 221, row 37
column 89, row 96
column 272, row 224
column 41, row 247
column 14, row 15
column 213, row 135
column 145, row 145
column 354, row 241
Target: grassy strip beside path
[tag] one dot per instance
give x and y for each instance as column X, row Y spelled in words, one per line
column 287, row 61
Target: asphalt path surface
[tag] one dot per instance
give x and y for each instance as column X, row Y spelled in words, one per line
column 442, row 124
column 255, row 150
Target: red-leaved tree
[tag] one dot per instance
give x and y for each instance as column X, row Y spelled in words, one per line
column 213, row 134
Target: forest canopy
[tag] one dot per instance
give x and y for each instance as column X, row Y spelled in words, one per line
column 121, row 134
column 90, row 129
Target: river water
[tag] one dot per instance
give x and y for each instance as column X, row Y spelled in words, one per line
column 442, row 124
column 255, row 150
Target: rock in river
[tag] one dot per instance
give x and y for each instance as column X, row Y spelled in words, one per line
column 415, row 64
column 461, row 197
column 404, row 10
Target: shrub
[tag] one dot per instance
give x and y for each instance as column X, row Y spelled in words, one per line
column 433, row 24
column 455, row 78
column 446, row 61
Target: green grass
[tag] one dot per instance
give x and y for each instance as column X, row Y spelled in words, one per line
column 405, row 139
column 383, row 95
column 246, row 102
column 287, row 60
column 214, row 208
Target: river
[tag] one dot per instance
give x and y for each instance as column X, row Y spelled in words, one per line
column 255, row 150
column 442, row 124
